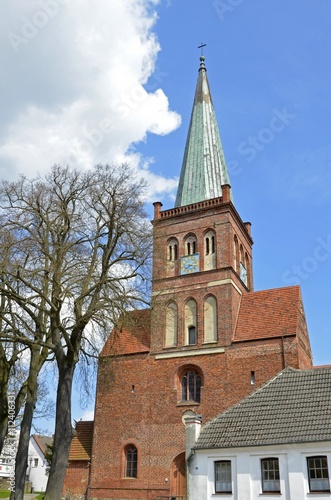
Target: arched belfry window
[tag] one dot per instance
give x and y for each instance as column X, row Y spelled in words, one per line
column 210, row 319
column 131, row 461
column 190, row 245
column 248, row 271
column 171, row 325
column 209, row 250
column 190, row 315
column 191, row 386
column 235, row 254
column 172, row 250
column 192, row 335
column 243, row 270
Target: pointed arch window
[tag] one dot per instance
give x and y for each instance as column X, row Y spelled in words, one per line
column 242, row 268
column 171, row 325
column 192, row 335
column 173, row 250
column 131, row 461
column 209, row 243
column 191, row 386
column 210, row 250
column 210, row 319
column 191, row 245
column 190, row 314
column 235, row 254
column 248, row 271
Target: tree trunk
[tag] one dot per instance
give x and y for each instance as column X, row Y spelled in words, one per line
column 3, row 431
column 63, row 432
column 4, row 373
column 5, row 422
column 23, row 444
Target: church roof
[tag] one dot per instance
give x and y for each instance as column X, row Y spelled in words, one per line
column 268, row 313
column 203, row 170
column 81, row 444
column 131, row 336
column 294, row 407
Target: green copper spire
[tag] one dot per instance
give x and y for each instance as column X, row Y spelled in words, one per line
column 203, row 170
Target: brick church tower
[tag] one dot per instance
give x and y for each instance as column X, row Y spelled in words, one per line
column 208, row 339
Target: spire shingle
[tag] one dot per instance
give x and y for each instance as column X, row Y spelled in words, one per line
column 203, row 170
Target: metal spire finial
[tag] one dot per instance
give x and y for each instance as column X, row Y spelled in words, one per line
column 201, row 46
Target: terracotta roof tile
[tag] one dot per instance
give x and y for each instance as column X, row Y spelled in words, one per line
column 81, row 444
column 268, row 313
column 133, row 336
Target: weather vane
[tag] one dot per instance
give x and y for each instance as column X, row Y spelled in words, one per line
column 201, row 46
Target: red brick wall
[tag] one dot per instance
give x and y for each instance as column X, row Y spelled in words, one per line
column 139, row 396
column 77, row 479
column 151, row 416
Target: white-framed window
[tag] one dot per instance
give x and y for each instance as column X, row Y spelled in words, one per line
column 223, row 476
column 270, row 475
column 318, row 474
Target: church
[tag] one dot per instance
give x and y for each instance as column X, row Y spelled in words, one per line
column 208, row 339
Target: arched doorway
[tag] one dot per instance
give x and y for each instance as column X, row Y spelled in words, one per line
column 178, row 477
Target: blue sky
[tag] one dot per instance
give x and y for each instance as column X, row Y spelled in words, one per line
column 268, row 66
column 113, row 81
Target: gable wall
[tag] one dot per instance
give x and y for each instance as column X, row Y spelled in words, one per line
column 151, row 417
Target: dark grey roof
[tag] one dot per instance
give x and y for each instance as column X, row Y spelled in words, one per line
column 293, row 407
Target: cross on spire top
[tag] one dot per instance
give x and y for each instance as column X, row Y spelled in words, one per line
column 201, row 46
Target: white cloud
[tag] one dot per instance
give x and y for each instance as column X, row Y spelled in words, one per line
column 87, row 415
column 74, row 84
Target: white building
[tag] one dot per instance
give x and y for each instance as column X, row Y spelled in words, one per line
column 36, row 470
column 274, row 443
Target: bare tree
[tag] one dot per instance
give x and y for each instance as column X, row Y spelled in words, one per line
column 24, row 337
column 79, row 253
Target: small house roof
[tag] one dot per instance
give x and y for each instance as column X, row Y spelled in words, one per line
column 42, row 441
column 293, row 407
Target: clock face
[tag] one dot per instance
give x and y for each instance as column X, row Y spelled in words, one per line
column 189, row 264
